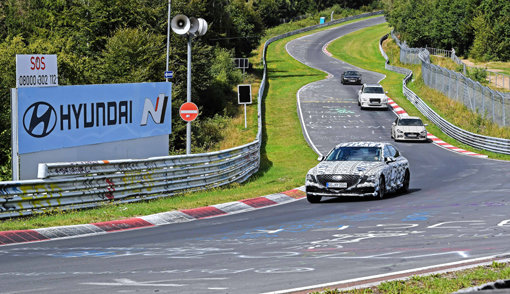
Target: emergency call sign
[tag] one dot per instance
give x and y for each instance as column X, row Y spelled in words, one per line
column 36, row 70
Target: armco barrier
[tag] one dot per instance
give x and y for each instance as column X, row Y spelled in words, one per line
column 497, row 145
column 75, row 185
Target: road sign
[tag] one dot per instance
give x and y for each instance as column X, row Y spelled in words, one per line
column 188, row 111
column 36, row 70
column 169, row 74
column 244, row 94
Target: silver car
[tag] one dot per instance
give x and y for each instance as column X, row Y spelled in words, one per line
column 408, row 128
column 358, row 169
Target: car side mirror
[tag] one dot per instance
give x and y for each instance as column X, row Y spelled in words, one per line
column 425, row 125
column 320, row 158
column 393, row 124
column 389, row 159
column 386, row 92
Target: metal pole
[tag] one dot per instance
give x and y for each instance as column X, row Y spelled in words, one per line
column 188, row 126
column 168, row 36
column 188, row 98
column 245, row 123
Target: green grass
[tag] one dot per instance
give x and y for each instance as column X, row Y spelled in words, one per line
column 364, row 52
column 438, row 283
column 285, row 157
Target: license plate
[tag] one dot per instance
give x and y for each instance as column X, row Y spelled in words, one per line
column 412, row 135
column 336, row 185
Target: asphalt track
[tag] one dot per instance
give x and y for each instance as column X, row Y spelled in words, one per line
column 457, row 210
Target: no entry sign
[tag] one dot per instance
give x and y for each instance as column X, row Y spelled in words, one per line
column 188, row 111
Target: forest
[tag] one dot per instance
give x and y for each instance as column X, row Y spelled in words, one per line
column 112, row 41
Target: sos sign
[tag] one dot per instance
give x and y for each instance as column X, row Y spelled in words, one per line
column 36, row 70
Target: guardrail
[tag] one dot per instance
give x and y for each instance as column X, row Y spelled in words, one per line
column 76, row 185
column 492, row 144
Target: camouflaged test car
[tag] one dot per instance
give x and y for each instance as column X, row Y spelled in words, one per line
column 358, row 169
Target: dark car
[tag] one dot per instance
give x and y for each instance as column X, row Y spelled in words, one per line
column 351, row 77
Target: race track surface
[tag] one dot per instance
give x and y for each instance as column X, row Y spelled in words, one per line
column 457, row 209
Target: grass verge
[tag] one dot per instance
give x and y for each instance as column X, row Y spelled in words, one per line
column 364, row 52
column 285, row 156
column 438, row 283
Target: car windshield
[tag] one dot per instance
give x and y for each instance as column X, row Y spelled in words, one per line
column 355, row 154
column 374, row 90
column 351, row 73
column 411, row 122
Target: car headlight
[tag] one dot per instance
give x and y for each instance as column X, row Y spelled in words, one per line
column 310, row 178
column 423, row 133
column 399, row 131
column 369, row 178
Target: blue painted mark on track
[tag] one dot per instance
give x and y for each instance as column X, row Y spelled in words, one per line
column 87, row 253
column 329, row 222
column 417, row 216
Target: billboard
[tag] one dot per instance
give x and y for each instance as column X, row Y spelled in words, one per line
column 69, row 116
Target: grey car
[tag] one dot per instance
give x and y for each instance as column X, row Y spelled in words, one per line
column 351, row 77
column 358, row 169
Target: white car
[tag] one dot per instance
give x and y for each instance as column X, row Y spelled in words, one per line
column 372, row 96
column 358, row 169
column 408, row 128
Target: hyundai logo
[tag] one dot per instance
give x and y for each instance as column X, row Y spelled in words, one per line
column 337, row 178
column 40, row 119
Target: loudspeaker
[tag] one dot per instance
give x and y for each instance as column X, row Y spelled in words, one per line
column 202, row 27
column 194, row 25
column 180, row 24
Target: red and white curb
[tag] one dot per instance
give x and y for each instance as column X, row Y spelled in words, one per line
column 448, row 146
column 397, row 109
column 438, row 142
column 164, row 218
column 325, row 48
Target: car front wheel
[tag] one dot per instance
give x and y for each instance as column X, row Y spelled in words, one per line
column 382, row 188
column 405, row 184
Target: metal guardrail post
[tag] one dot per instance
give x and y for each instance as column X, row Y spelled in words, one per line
column 503, row 103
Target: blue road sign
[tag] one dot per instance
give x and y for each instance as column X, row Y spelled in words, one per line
column 169, row 74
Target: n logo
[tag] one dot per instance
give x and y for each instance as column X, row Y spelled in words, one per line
column 157, row 113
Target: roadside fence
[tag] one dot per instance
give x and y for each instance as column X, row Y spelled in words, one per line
column 491, row 104
column 77, row 185
column 409, row 56
column 493, row 144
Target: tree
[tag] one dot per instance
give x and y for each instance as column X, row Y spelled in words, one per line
column 132, row 55
column 492, row 31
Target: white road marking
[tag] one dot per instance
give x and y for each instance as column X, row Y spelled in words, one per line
column 458, row 265
column 128, row 282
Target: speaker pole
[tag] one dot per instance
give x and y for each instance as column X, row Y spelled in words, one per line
column 168, row 36
column 182, row 25
column 188, row 91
